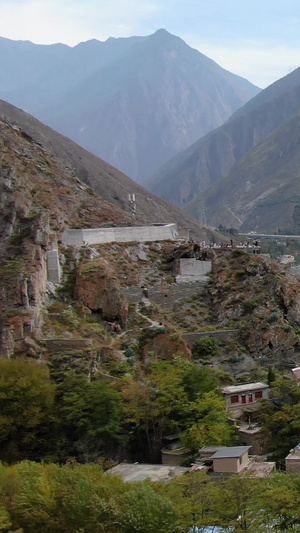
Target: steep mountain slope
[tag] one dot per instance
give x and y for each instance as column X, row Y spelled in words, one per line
column 262, row 191
column 212, row 157
column 39, row 198
column 134, row 102
column 105, row 180
column 69, row 324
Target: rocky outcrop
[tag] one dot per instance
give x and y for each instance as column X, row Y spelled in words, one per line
column 98, row 288
column 39, row 197
column 254, row 294
column 162, row 344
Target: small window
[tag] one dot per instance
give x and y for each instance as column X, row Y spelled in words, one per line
column 258, row 395
column 234, row 399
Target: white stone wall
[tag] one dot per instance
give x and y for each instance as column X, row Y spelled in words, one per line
column 80, row 237
column 53, row 267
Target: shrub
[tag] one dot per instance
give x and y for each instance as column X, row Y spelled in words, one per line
column 273, row 317
column 205, row 347
column 237, row 252
column 249, row 305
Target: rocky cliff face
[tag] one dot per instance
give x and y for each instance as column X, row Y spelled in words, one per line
column 256, row 295
column 39, row 197
column 98, row 288
column 108, row 182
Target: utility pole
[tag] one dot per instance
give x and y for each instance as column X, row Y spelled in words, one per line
column 132, row 203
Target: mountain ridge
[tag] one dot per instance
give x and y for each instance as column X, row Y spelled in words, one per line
column 111, row 184
column 213, row 156
column 262, row 191
column 134, row 103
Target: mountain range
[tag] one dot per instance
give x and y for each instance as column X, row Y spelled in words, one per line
column 135, row 102
column 109, row 183
column 237, row 169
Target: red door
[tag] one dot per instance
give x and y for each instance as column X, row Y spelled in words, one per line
column 243, row 399
column 250, row 398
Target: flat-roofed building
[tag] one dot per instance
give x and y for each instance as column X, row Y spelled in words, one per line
column 231, row 459
column 240, row 397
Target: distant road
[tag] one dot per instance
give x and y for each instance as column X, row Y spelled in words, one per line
column 269, row 236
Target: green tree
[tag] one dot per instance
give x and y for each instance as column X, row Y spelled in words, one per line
column 205, row 348
column 198, row 380
column 155, row 405
column 281, row 418
column 142, row 510
column 279, row 503
column 91, row 418
column 209, row 423
column 271, row 376
column 5, row 520
column 194, row 497
column 83, row 500
column 239, row 502
column 26, row 404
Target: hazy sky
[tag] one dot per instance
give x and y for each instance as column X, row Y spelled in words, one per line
column 258, row 39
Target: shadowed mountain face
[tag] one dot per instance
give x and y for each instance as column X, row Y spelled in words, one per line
column 134, row 102
column 109, row 183
column 213, row 156
column 262, row 191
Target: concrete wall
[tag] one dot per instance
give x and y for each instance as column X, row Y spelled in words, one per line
column 170, row 458
column 54, row 345
column 223, row 335
column 53, row 267
column 79, row 237
column 256, row 440
column 292, row 464
column 193, row 270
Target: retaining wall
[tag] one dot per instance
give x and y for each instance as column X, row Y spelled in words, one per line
column 191, row 269
column 166, row 296
column 53, row 345
column 223, row 335
column 171, row 458
column 53, row 267
column 80, row 237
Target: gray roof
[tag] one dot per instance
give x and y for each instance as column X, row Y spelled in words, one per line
column 230, row 451
column 234, row 389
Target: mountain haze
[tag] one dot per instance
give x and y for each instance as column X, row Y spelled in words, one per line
column 134, row 102
column 262, row 191
column 109, row 183
column 213, row 156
